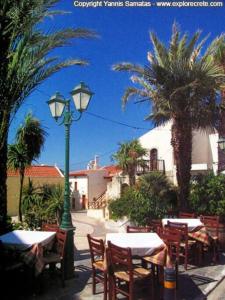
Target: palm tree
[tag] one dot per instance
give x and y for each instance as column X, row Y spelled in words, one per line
column 219, row 56
column 18, row 160
column 128, row 156
column 181, row 85
column 25, row 62
column 30, row 140
column 32, row 136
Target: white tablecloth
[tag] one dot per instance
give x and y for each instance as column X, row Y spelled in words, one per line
column 141, row 244
column 23, row 239
column 191, row 223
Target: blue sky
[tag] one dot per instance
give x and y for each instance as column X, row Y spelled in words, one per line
column 124, row 36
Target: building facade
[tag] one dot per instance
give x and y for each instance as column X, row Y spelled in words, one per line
column 160, row 151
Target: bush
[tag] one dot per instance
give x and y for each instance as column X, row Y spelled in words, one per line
column 42, row 204
column 121, row 207
column 151, row 198
column 207, row 194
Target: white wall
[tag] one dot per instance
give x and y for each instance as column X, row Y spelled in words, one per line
column 204, row 149
column 97, row 184
column 92, row 186
column 200, row 148
column 213, row 140
column 114, row 186
column 160, row 139
column 82, row 189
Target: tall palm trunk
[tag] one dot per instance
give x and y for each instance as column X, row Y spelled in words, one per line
column 221, row 132
column 182, row 145
column 131, row 174
column 21, row 192
column 4, row 121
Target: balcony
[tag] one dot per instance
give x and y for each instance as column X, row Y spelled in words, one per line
column 146, row 166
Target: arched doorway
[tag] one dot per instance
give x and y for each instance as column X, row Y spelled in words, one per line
column 153, row 159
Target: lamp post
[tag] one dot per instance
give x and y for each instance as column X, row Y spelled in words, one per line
column 60, row 107
column 221, row 154
column 221, row 143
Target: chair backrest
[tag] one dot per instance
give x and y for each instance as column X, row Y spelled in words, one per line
column 211, row 223
column 61, row 236
column 133, row 229
column 97, row 248
column 120, row 259
column 182, row 227
column 49, row 227
column 186, row 215
column 156, row 225
column 172, row 238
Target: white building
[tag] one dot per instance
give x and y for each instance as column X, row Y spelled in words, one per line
column 158, row 142
column 88, row 187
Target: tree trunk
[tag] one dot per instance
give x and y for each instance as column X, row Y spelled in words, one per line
column 4, row 125
column 131, row 174
column 20, row 195
column 221, row 133
column 182, row 145
column 3, row 188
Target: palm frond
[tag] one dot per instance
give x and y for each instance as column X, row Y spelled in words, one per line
column 128, row 67
column 160, row 51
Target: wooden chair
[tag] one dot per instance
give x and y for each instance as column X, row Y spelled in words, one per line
column 58, row 253
column 186, row 215
column 172, row 238
column 99, row 270
column 186, row 244
column 125, row 274
column 49, row 227
column 138, row 229
column 156, row 226
column 212, row 226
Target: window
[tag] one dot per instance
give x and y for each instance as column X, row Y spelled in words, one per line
column 153, row 159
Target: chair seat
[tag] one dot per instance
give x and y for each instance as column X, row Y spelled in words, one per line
column 139, row 273
column 100, row 265
column 52, row 257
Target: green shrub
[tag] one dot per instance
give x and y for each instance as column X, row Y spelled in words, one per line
column 40, row 204
column 121, row 207
column 151, row 198
column 207, row 194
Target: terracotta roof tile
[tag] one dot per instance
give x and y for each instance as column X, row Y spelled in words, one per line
column 38, row 171
column 112, row 170
column 84, row 172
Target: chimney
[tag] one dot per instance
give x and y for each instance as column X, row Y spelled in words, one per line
column 96, row 162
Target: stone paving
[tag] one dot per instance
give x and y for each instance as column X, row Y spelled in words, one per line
column 194, row 284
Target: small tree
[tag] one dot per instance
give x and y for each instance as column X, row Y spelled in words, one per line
column 208, row 194
column 128, row 156
column 30, row 139
column 150, row 198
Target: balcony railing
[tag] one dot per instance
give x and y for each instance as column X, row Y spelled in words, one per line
column 147, row 166
column 98, row 203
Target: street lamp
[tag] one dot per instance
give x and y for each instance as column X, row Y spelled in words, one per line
column 221, row 143
column 221, row 154
column 60, row 107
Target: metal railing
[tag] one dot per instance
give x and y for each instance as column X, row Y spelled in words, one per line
column 147, row 166
column 98, row 203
